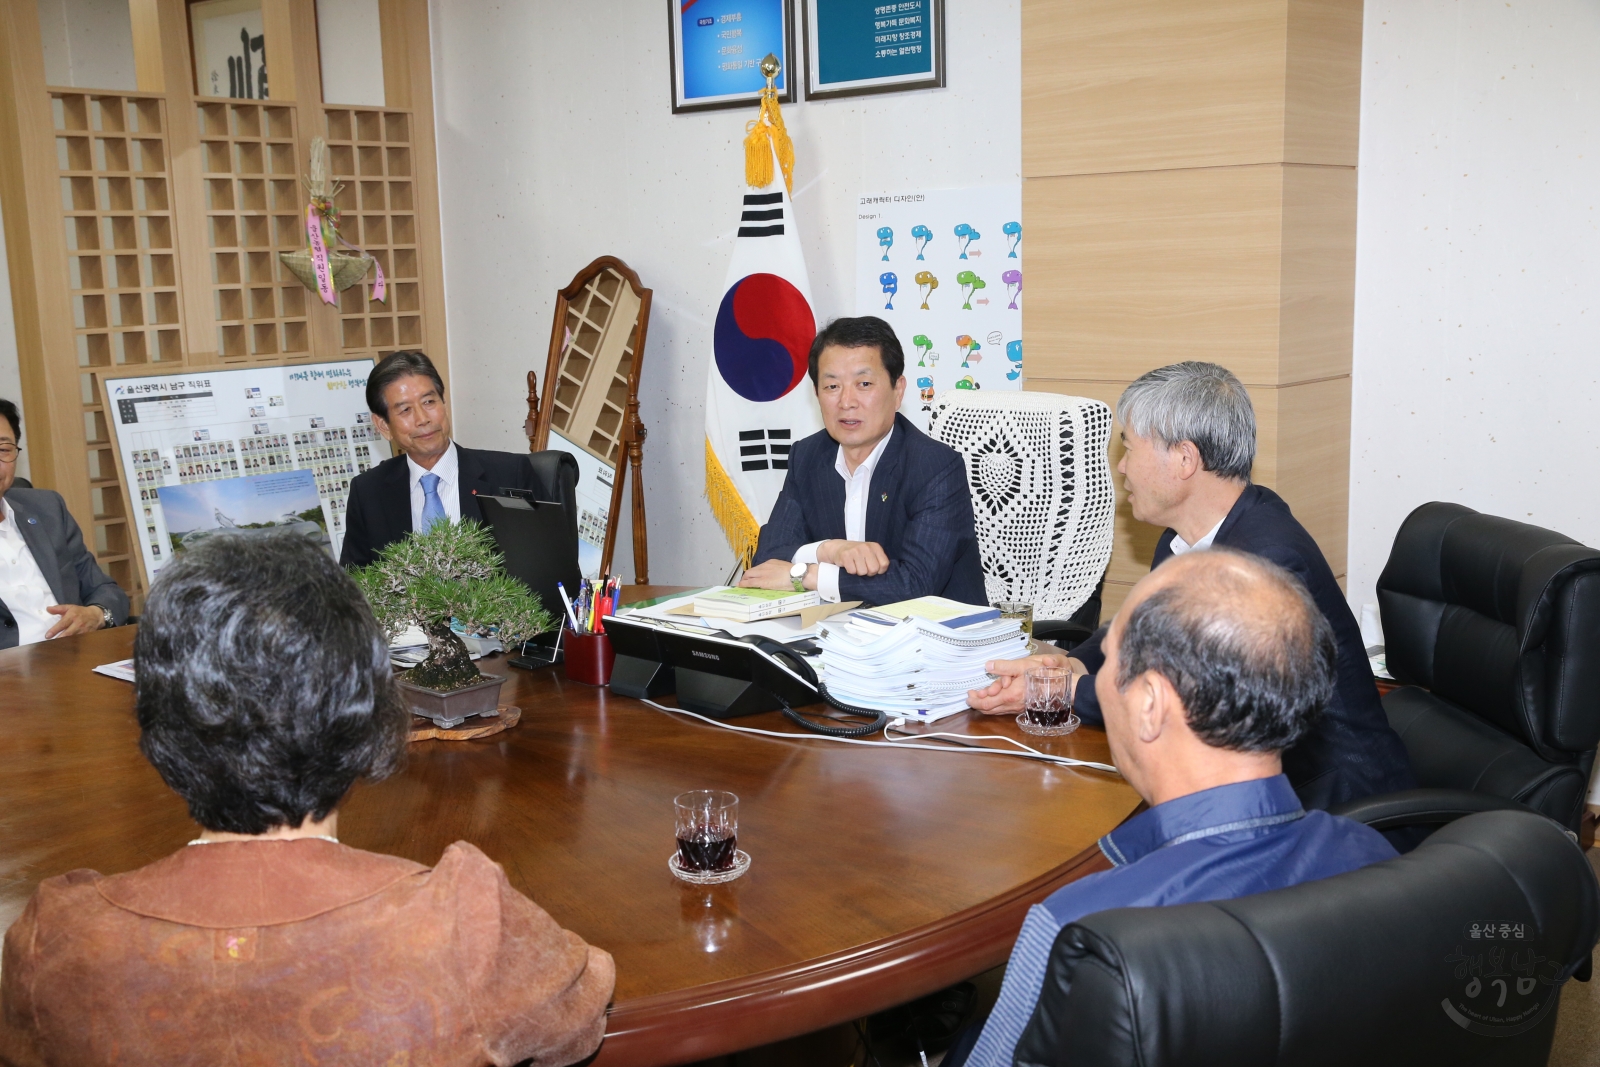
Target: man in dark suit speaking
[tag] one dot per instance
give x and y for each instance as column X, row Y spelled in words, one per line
column 50, row 584
column 430, row 478
column 872, row 509
column 1190, row 434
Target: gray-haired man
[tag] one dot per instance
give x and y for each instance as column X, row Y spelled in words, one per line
column 1190, row 435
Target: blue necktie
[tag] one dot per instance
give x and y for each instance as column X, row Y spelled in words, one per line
column 432, row 506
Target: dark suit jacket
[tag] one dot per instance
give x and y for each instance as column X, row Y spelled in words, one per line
column 57, row 545
column 1352, row 752
column 919, row 508
column 379, row 512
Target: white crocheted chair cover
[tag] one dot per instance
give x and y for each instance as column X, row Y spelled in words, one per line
column 1041, row 492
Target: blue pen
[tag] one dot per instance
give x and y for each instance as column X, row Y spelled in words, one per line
column 568, row 602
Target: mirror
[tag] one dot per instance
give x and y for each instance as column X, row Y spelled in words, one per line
column 590, row 406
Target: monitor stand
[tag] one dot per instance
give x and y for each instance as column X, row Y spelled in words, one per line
column 642, row 679
column 721, row 697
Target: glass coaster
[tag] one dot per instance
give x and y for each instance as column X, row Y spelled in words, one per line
column 1031, row 727
column 741, row 863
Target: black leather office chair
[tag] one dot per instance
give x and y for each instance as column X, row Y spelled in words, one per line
column 1068, row 634
column 557, row 474
column 1376, row 967
column 1500, row 621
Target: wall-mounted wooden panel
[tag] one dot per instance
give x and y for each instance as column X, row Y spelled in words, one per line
column 1322, row 98
column 1136, row 270
column 1120, row 85
column 1148, row 84
column 1303, row 453
column 1250, row 267
column 1318, row 290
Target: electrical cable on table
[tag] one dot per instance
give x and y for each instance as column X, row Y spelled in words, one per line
column 962, row 745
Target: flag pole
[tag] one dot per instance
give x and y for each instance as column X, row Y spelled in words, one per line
column 756, row 409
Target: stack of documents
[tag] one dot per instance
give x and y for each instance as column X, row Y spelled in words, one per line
column 910, row 665
column 411, row 647
column 751, row 605
column 122, row 670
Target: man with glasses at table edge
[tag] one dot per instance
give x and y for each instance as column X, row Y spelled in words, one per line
column 50, row 584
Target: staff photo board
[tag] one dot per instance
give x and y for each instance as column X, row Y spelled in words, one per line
column 236, row 426
column 944, row 268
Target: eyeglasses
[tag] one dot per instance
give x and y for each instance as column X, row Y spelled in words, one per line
column 9, row 452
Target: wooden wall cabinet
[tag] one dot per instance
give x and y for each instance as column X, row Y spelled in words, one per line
column 1190, row 193
column 143, row 228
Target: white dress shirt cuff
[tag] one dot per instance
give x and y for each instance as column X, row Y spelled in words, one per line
column 807, row 554
column 828, row 582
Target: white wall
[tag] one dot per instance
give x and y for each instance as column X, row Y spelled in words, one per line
column 350, row 39
column 557, row 145
column 87, row 43
column 1477, row 329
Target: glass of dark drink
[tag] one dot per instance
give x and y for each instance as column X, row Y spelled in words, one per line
column 1047, row 702
column 707, row 824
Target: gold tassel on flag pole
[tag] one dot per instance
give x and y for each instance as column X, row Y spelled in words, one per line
column 766, row 136
column 730, row 511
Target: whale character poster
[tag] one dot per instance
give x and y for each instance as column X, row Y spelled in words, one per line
column 944, row 268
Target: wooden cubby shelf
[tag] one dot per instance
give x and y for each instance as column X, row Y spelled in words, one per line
column 254, row 207
column 369, row 152
column 151, row 221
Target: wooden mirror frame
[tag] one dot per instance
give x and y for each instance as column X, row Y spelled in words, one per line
column 630, row 439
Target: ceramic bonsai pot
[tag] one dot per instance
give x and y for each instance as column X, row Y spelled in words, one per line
column 452, row 707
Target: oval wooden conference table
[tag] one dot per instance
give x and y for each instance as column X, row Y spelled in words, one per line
column 877, row 876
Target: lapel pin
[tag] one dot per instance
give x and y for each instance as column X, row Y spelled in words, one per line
column 32, row 521
column 884, row 498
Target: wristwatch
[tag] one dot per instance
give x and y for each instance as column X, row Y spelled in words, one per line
column 105, row 613
column 797, row 575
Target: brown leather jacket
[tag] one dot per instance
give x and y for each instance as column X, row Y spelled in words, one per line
column 301, row 951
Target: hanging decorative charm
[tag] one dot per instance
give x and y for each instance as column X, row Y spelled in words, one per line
column 319, row 266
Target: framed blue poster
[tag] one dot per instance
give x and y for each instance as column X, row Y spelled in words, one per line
column 717, row 47
column 855, row 47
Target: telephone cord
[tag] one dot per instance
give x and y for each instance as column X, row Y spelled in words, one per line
column 964, row 744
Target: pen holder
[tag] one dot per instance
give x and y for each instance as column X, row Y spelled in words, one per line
column 589, row 658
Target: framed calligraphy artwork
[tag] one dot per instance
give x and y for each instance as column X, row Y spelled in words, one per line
column 229, row 45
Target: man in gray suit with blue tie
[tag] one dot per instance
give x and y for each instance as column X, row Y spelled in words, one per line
column 872, row 508
column 50, row 584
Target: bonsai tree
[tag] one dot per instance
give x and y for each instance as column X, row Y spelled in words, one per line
column 453, row 571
